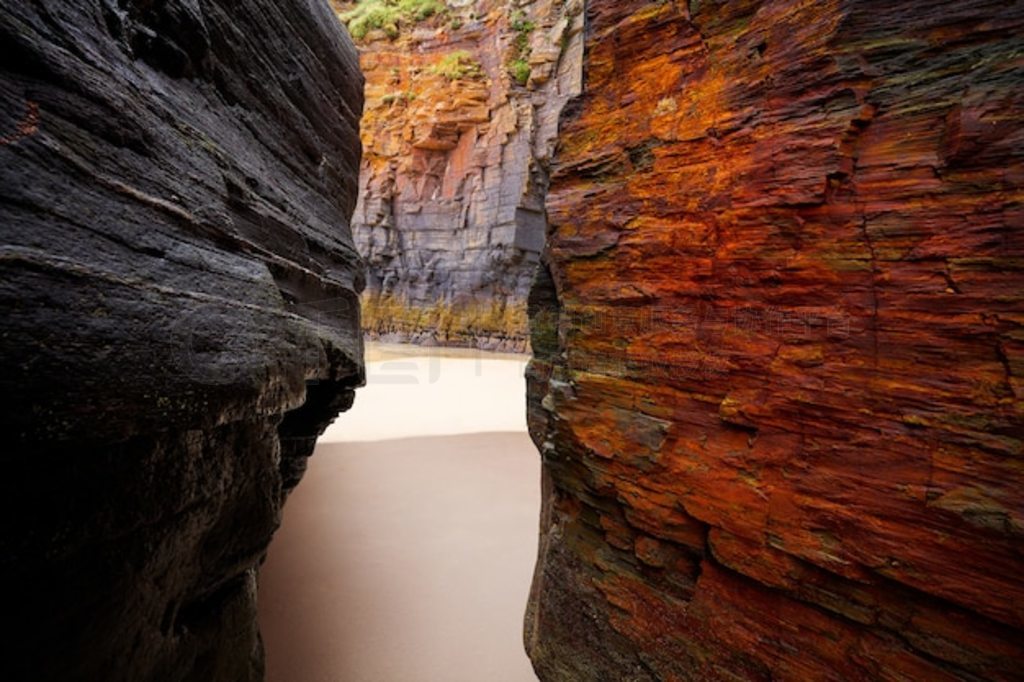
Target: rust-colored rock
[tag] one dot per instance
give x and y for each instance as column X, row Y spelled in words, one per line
column 451, row 211
column 780, row 347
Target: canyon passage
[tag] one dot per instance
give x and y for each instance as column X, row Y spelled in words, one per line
column 765, row 257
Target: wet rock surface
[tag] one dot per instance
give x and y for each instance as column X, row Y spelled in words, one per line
column 779, row 347
column 461, row 121
column 179, row 292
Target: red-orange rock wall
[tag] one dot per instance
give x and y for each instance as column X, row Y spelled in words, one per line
column 780, row 346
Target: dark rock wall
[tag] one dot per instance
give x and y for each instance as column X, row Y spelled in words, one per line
column 179, row 292
column 780, row 346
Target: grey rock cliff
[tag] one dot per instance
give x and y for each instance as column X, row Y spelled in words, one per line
column 451, row 214
column 179, row 294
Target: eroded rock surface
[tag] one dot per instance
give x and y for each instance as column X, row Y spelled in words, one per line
column 451, row 208
column 780, row 352
column 179, row 294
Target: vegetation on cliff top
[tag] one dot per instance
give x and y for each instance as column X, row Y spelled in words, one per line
column 388, row 15
column 398, row 96
column 458, row 65
column 519, row 56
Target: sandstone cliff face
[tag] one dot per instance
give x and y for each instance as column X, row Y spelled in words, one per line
column 780, row 346
column 179, row 294
column 451, row 208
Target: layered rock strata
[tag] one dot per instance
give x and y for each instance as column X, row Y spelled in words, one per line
column 779, row 344
column 179, row 294
column 461, row 120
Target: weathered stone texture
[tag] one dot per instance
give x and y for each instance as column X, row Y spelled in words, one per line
column 176, row 181
column 451, row 208
column 780, row 346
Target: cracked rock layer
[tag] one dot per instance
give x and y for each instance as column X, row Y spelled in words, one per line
column 780, row 348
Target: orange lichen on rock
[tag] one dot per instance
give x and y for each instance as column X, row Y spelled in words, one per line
column 780, row 346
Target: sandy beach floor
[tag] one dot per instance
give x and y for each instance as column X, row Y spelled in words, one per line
column 406, row 555
column 413, row 391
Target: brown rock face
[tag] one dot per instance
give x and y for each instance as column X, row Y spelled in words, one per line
column 451, row 208
column 179, row 295
column 780, row 346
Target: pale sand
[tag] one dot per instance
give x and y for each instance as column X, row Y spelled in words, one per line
column 410, row 560
column 413, row 391
column 376, row 351
column 405, row 561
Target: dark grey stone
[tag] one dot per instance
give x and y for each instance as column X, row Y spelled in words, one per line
column 178, row 286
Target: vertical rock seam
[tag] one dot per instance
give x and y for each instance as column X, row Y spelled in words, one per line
column 779, row 344
column 461, row 121
column 179, row 293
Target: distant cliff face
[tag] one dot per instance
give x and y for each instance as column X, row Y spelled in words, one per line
column 780, row 346
column 461, row 119
column 179, row 295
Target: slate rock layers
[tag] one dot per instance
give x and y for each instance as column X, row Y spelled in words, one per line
column 780, row 346
column 451, row 208
column 179, row 294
